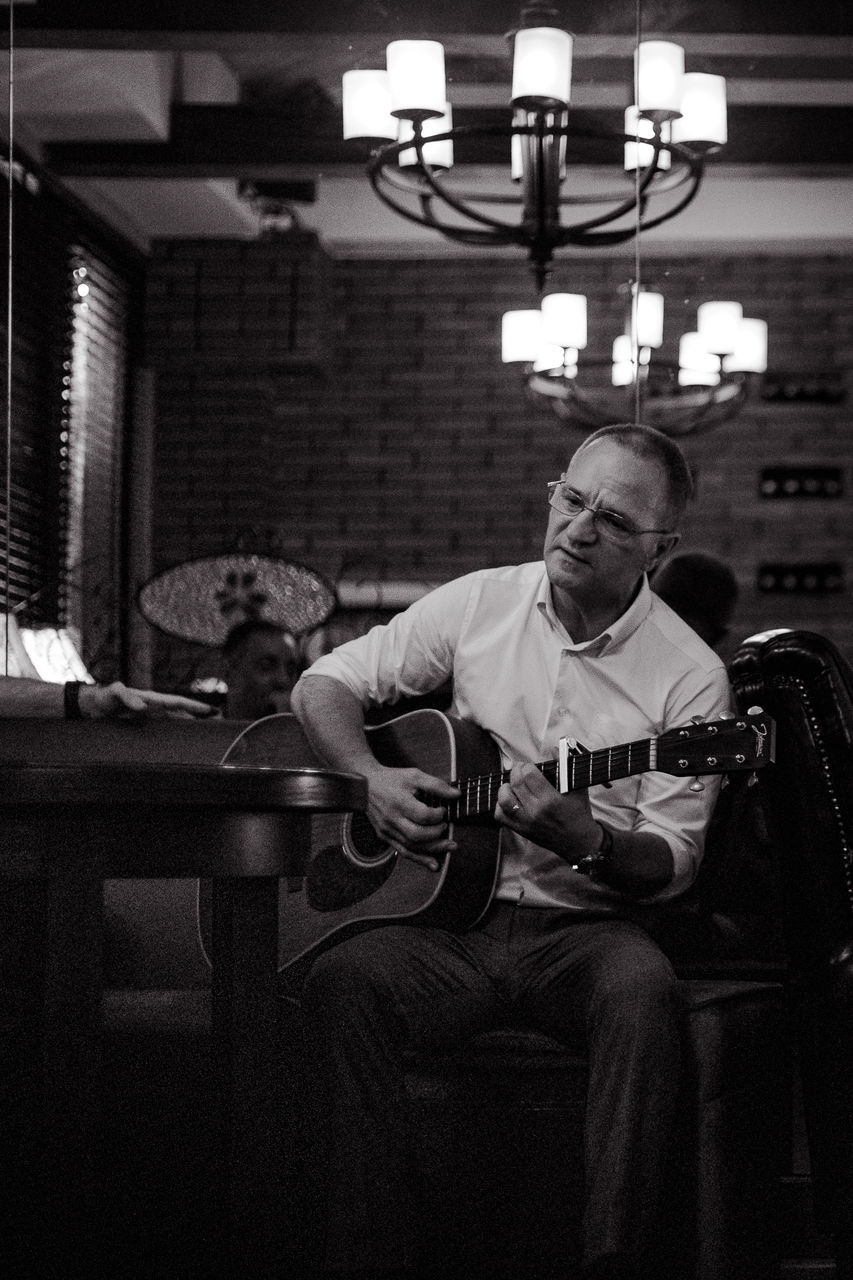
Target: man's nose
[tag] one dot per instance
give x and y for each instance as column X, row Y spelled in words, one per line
column 584, row 527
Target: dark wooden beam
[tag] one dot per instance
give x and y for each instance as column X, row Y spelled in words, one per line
column 168, row 23
column 221, row 141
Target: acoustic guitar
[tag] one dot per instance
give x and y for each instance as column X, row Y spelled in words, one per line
column 351, row 879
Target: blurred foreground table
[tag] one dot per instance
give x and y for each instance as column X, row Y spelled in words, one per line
column 71, row 827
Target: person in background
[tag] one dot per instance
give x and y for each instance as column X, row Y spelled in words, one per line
column 20, row 696
column 702, row 590
column 575, row 645
column 262, row 664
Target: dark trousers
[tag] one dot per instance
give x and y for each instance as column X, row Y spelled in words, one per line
column 600, row 986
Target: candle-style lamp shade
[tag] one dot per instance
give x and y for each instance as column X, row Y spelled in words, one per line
column 717, row 324
column 647, row 307
column 750, row 353
column 564, row 320
column 521, row 336
column 659, row 73
column 622, row 370
column 542, row 67
column 416, row 78
column 703, row 121
column 366, row 99
column 696, row 365
column 626, row 356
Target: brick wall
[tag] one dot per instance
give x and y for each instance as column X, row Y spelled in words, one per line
column 356, row 415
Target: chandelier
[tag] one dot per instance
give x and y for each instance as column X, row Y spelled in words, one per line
column 717, row 363
column 675, row 121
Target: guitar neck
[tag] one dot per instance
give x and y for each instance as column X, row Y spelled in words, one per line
column 479, row 794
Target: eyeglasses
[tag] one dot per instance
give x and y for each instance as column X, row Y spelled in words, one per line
column 613, row 526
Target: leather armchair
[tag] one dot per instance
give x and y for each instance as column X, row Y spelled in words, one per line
column 803, row 681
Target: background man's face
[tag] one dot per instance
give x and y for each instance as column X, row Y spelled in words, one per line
column 262, row 676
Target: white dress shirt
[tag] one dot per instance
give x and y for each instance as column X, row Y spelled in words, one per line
column 518, row 674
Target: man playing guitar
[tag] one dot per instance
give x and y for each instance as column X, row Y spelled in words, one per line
column 576, row 647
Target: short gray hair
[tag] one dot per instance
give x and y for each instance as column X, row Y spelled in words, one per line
column 648, row 442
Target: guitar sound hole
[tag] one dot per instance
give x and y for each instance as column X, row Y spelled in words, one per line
column 362, row 845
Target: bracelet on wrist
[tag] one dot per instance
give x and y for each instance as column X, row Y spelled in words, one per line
column 71, row 700
column 594, row 865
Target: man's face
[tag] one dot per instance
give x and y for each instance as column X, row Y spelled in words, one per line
column 263, row 674
column 587, row 569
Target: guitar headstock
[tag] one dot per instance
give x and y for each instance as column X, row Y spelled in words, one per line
column 718, row 746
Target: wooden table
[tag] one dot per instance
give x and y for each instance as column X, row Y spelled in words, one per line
column 72, row 827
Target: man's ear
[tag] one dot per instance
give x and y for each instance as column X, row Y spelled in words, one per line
column 663, row 546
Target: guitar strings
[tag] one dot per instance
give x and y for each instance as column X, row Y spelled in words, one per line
column 479, row 792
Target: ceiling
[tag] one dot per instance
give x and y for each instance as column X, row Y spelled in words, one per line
column 157, row 113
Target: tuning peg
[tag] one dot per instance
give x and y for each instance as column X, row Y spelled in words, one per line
column 696, row 785
column 727, row 715
column 752, row 780
column 755, row 711
column 697, row 719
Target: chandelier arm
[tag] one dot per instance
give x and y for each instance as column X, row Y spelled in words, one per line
column 381, row 159
column 465, row 235
column 673, row 181
column 377, row 170
column 596, row 239
column 394, row 178
column 662, row 184
column 690, row 411
column 477, row 237
column 634, row 201
column 717, row 410
column 697, row 169
column 582, row 233
column 543, row 237
column 426, row 217
column 377, row 176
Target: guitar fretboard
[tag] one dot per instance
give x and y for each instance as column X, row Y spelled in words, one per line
column 479, row 793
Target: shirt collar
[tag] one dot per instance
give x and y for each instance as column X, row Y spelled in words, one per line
column 612, row 636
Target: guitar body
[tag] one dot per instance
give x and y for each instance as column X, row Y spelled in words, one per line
column 351, row 880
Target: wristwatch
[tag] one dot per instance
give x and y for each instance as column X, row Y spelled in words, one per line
column 594, row 865
column 71, row 700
